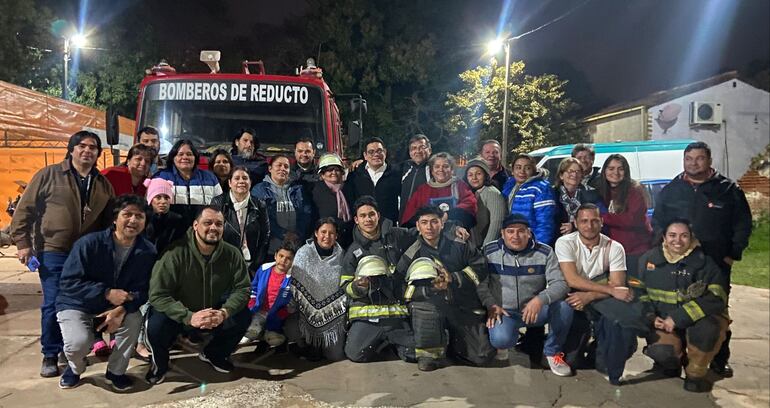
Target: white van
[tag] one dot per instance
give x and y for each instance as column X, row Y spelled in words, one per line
column 649, row 160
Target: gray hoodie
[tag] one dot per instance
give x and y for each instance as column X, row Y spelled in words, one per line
column 285, row 213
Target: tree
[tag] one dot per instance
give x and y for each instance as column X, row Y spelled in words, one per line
column 539, row 111
column 25, row 43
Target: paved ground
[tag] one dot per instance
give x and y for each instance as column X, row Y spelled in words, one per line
column 283, row 381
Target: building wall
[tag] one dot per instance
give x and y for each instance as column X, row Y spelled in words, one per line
column 626, row 127
column 743, row 134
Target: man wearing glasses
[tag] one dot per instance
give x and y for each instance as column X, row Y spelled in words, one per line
column 377, row 179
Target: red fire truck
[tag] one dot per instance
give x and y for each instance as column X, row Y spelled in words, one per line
column 210, row 108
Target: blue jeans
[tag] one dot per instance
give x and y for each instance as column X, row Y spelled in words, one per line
column 558, row 315
column 51, row 264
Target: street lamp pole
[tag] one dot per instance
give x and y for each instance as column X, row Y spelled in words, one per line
column 504, row 144
column 64, row 90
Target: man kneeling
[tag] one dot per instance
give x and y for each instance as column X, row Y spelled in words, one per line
column 200, row 286
column 100, row 288
column 526, row 277
column 683, row 296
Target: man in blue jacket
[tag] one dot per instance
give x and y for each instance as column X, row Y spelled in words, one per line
column 100, row 289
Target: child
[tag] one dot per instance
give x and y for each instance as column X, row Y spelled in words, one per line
column 270, row 296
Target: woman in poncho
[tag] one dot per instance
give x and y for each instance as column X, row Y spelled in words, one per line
column 319, row 326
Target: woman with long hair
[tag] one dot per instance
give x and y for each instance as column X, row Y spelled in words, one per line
column 287, row 209
column 626, row 218
column 193, row 188
column 319, row 326
column 246, row 222
column 221, row 164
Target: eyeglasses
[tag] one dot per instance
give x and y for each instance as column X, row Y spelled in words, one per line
column 572, row 171
column 373, row 152
column 333, row 169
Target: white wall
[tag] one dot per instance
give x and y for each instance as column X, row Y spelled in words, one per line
column 625, row 127
column 743, row 134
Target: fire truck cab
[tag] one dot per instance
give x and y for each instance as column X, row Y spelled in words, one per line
column 211, row 108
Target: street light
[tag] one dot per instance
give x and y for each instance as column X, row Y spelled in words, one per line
column 77, row 41
column 493, row 48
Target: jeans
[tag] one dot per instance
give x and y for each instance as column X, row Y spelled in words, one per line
column 558, row 315
column 51, row 264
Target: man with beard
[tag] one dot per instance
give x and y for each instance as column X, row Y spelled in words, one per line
column 377, row 313
column 245, row 152
column 200, row 286
column 304, row 170
column 720, row 217
column 594, row 267
column 61, row 203
column 100, row 289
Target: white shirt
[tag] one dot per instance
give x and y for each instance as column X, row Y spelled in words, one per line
column 376, row 175
column 589, row 262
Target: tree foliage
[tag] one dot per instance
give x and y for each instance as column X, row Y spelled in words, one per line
column 539, row 110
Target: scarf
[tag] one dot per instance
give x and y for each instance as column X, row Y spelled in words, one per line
column 320, row 300
column 673, row 258
column 436, row 184
column 241, row 209
column 571, row 204
column 343, row 212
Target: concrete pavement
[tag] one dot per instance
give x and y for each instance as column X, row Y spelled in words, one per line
column 284, row 381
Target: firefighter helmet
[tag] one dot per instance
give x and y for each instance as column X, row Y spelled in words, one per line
column 421, row 268
column 371, row 265
column 329, row 159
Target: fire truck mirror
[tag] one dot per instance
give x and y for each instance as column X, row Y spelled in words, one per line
column 354, row 134
column 112, row 128
column 358, row 104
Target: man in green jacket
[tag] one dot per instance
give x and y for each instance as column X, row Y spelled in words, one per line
column 199, row 285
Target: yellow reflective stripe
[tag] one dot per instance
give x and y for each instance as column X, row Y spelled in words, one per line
column 433, row 352
column 635, row 283
column 349, row 291
column 471, row 275
column 409, row 293
column 718, row 291
column 693, row 310
column 345, row 278
column 664, row 296
column 644, row 298
column 377, row 311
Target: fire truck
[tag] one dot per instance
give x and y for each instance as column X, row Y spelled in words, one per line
column 210, row 108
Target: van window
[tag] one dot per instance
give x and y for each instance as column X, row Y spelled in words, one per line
column 552, row 165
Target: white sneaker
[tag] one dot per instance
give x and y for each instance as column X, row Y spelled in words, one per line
column 558, row 365
column 245, row 340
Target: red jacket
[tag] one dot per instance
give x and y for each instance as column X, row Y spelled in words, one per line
column 631, row 227
column 120, row 178
column 462, row 210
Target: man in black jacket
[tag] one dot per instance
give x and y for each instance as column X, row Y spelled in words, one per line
column 463, row 311
column 103, row 283
column 720, row 217
column 376, row 178
column 304, row 170
column 415, row 171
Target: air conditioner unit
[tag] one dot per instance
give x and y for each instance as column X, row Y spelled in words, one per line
column 705, row 113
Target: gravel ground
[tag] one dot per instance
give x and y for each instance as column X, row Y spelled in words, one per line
column 263, row 394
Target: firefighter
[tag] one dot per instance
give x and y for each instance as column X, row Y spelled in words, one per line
column 457, row 301
column 378, row 317
column 684, row 299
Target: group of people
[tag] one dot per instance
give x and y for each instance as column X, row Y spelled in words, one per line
column 420, row 259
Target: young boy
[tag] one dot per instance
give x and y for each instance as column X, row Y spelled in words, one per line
column 270, row 296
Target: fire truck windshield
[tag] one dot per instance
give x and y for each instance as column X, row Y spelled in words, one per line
column 210, row 113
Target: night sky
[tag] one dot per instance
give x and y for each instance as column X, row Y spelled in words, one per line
column 613, row 50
